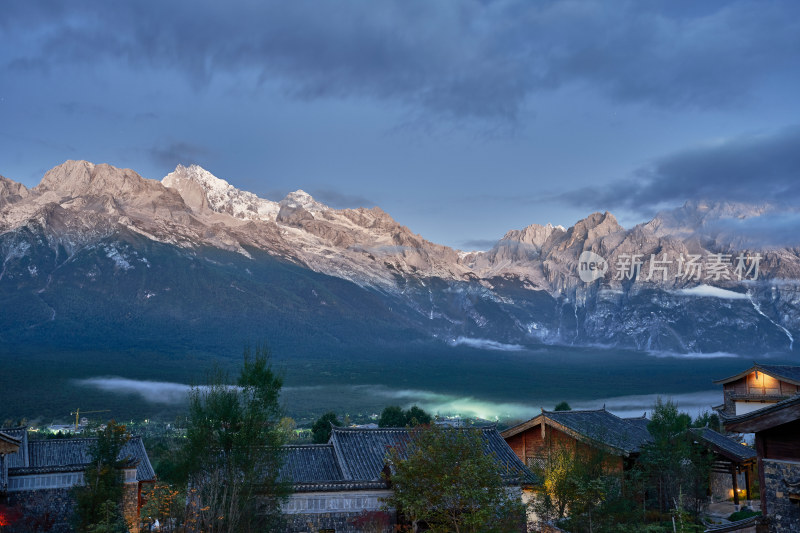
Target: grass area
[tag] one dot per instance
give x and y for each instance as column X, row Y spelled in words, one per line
column 745, row 512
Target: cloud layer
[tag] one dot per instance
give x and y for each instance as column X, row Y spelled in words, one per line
column 434, row 402
column 163, row 392
column 472, row 59
column 486, row 344
column 754, row 168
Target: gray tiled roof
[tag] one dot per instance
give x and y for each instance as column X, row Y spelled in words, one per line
column 20, row 458
column 14, row 441
column 604, row 428
column 310, row 463
column 55, row 455
column 361, row 452
column 641, row 421
column 725, row 445
column 760, row 413
column 339, row 486
column 733, row 527
column 788, row 373
column 782, row 371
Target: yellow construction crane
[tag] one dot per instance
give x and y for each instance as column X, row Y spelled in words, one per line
column 77, row 413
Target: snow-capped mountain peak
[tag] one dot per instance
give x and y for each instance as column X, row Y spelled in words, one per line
column 301, row 198
column 201, row 189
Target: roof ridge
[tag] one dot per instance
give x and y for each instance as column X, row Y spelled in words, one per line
column 603, row 409
column 71, row 439
column 370, row 430
column 344, row 468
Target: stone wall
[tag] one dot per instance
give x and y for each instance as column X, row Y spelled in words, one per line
column 338, row 522
column 729, row 403
column 44, row 508
column 130, row 505
column 547, row 527
column 312, row 512
column 41, row 509
column 783, row 513
column 722, row 486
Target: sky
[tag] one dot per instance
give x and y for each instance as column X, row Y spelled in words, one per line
column 462, row 120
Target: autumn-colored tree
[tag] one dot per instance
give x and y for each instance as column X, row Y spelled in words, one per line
column 164, row 505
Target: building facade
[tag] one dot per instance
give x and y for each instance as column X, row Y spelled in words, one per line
column 39, row 475
column 777, row 434
column 585, row 433
column 339, row 487
column 757, row 387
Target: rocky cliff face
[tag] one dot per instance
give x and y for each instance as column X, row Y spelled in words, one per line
column 92, row 234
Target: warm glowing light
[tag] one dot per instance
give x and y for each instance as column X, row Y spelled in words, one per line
column 760, row 379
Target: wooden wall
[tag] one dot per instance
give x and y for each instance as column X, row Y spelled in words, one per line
column 781, row 442
column 532, row 448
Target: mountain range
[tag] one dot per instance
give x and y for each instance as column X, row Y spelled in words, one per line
column 100, row 256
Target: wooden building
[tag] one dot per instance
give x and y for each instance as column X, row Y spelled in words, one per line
column 584, row 432
column 732, row 460
column 777, row 431
column 757, row 387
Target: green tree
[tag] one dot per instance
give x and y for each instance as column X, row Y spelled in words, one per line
column 417, row 416
column 97, row 502
column 110, row 519
column 563, row 406
column 321, row 430
column 232, row 454
column 392, row 417
column 288, row 426
column 580, row 490
column 707, row 419
column 677, row 470
column 443, row 478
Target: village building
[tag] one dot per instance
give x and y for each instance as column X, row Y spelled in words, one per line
column 777, row 437
column 337, row 483
column 37, row 476
column 734, row 468
column 757, row 387
column 586, row 433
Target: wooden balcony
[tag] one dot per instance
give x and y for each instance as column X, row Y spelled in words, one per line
column 758, row 397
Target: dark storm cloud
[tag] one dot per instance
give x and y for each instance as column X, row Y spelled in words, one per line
column 341, row 200
column 173, row 154
column 752, row 169
column 451, row 59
